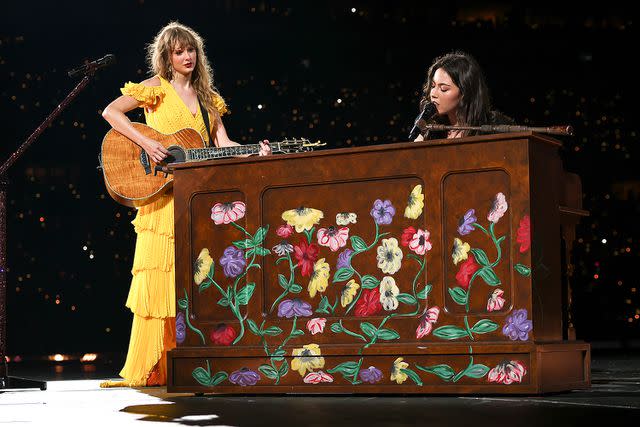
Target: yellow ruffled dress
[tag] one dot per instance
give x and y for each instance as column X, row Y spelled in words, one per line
column 152, row 293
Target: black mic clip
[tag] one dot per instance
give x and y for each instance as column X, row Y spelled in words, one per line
column 91, row 67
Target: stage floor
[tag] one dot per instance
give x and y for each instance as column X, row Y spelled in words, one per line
column 73, row 397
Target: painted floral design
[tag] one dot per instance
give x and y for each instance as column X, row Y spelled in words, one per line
column 389, row 256
column 317, row 378
column 460, row 251
column 420, row 243
column 181, row 328
column 495, row 301
column 302, row 218
column 369, row 303
column 389, row 293
column 507, row 372
column 517, row 326
column 306, row 254
column 316, row 325
column 223, row 335
column 467, row 268
column 523, row 236
column 284, row 231
column 334, row 238
column 233, row 261
column 415, row 203
column 396, row 371
column 319, row 278
column 428, row 319
column 283, row 248
column 225, row 213
column 370, row 375
column 202, row 266
column 346, row 218
column 465, row 225
column 498, row 208
column 348, row 292
column 308, row 358
column 295, row 307
column 244, row 377
column 383, row 212
column 344, row 259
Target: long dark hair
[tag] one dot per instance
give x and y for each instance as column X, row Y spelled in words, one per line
column 475, row 106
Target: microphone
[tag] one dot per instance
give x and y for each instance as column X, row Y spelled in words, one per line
column 91, row 67
column 429, row 110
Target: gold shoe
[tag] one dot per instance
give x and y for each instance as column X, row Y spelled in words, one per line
column 122, row 383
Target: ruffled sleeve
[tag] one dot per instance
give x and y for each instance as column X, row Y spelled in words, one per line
column 150, row 96
column 220, row 105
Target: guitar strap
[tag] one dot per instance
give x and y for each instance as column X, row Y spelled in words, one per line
column 205, row 117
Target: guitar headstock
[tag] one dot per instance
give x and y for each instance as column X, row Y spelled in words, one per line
column 296, row 145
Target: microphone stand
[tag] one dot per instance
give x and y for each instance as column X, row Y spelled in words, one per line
column 6, row 381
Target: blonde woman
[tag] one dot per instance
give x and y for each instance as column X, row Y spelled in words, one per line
column 182, row 82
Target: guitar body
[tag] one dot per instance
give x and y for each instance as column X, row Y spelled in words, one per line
column 129, row 174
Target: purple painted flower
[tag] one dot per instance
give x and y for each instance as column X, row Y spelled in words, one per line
column 517, row 326
column 233, row 261
column 343, row 259
column 370, row 375
column 181, row 328
column 383, row 212
column 244, row 377
column 465, row 224
column 295, row 307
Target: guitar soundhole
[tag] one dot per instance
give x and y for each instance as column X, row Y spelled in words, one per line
column 176, row 155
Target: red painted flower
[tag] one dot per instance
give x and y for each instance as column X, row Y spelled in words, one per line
column 407, row 236
column 223, row 335
column 306, row 256
column 467, row 268
column 524, row 234
column 369, row 303
column 284, row 231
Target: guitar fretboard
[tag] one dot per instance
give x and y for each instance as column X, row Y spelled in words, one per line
column 196, row 154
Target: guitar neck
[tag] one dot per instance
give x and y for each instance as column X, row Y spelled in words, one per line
column 210, row 153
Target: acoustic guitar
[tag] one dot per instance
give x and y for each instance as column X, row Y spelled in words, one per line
column 132, row 178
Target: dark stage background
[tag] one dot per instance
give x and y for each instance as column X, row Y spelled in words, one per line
column 321, row 70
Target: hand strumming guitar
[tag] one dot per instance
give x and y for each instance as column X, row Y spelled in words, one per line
column 155, row 150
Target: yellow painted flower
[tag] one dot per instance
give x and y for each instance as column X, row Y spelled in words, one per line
column 319, row 277
column 308, row 358
column 202, row 266
column 415, row 203
column 348, row 292
column 460, row 250
column 389, row 293
column 396, row 374
column 389, row 256
column 302, row 218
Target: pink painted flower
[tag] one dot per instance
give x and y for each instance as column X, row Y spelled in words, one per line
column 224, row 213
column 333, row 237
column 495, row 301
column 419, row 242
column 316, row 325
column 507, row 373
column 429, row 318
column 284, row 231
column 524, row 234
column 498, row 208
column 317, row 378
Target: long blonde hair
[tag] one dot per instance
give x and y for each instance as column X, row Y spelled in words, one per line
column 159, row 58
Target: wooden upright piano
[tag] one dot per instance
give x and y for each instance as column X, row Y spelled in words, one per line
column 429, row 267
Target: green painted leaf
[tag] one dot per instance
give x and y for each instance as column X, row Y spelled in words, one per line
column 523, row 269
column 279, row 260
column 297, row 333
column 273, row 331
column 407, row 299
column 336, row 328
column 424, row 293
column 445, row 372
column 245, row 293
column 358, row 244
column 369, row 282
column 224, row 302
column 204, row 285
column 323, row 305
column 343, row 274
column 183, row 304
column 295, row 288
column 279, row 353
column 450, row 332
column 348, row 369
column 202, row 376
column 481, row 257
column 459, row 295
column 243, row 244
column 262, row 251
column 484, row 326
column 489, row 276
column 476, row 371
column 253, row 327
column 368, row 329
column 212, row 269
column 413, row 375
column 268, row 371
column 218, row 378
column 283, row 369
column 259, row 236
column 388, row 334
column 249, row 253
column 282, row 281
